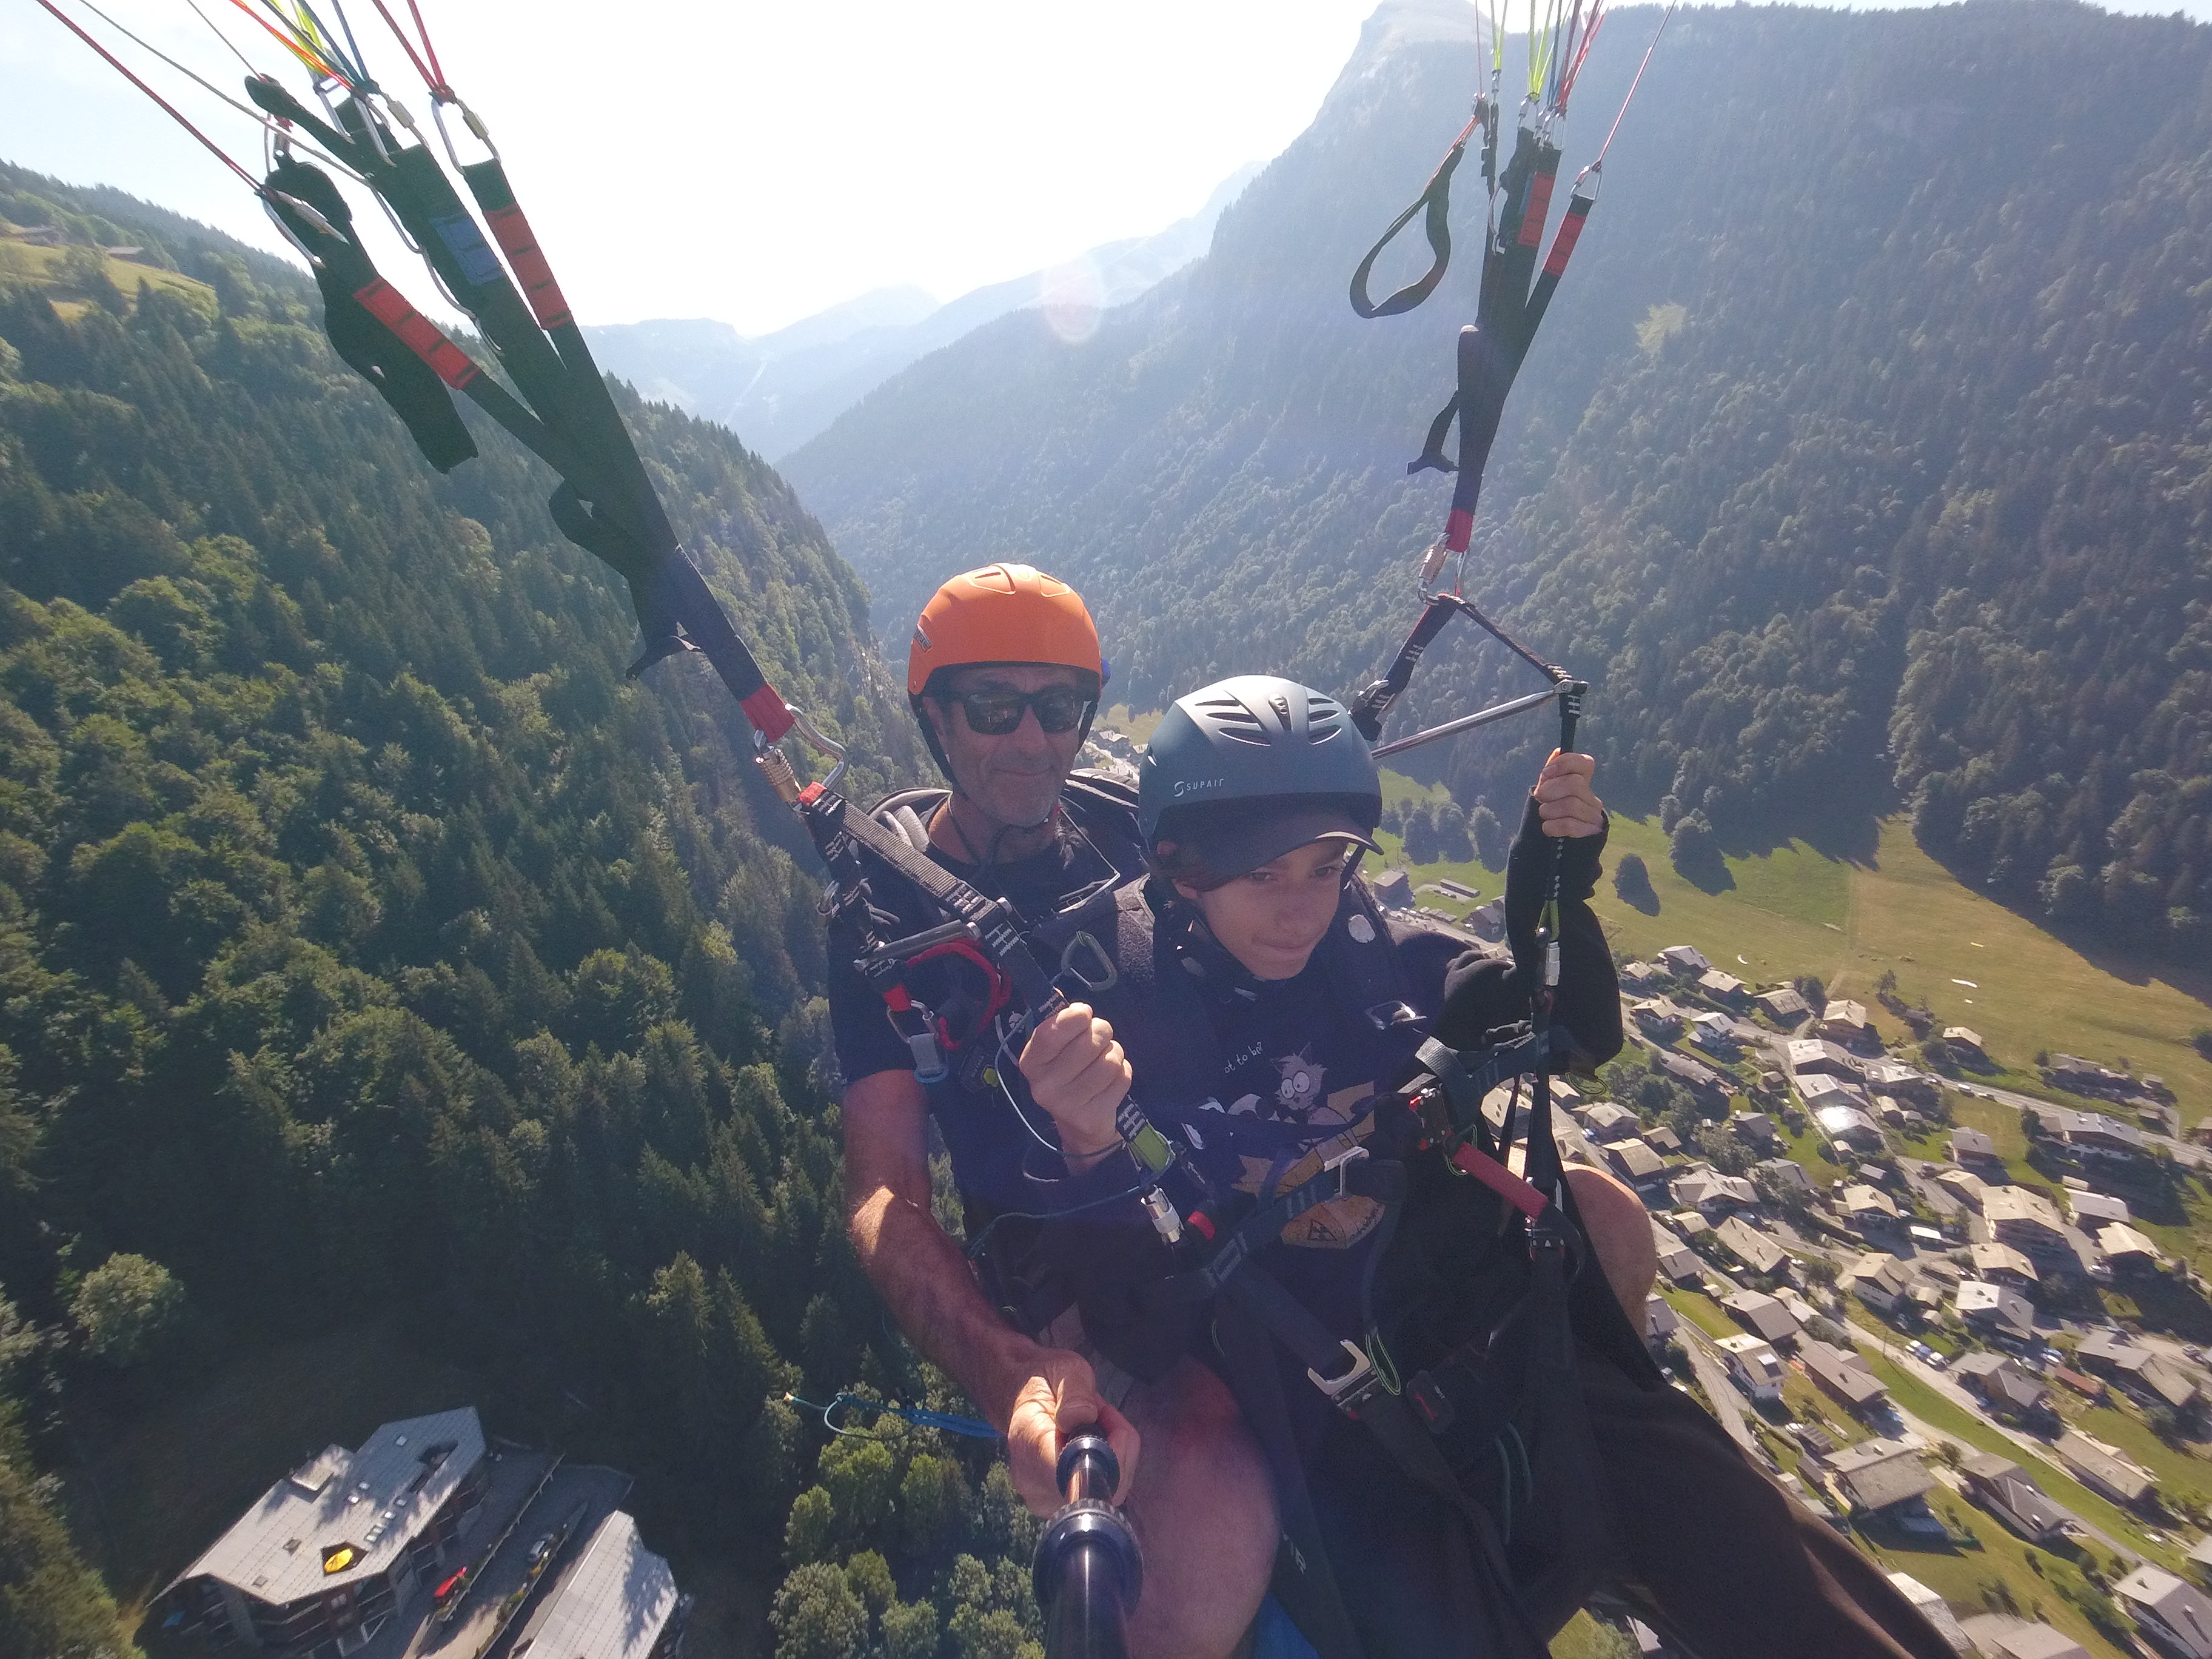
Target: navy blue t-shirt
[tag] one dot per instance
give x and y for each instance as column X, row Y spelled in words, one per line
column 1301, row 1071
column 980, row 1126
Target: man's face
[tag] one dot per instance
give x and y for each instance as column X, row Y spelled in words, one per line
column 1016, row 778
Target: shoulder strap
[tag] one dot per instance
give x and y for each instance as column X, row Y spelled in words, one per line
column 1363, row 961
column 840, row 832
column 1162, row 1025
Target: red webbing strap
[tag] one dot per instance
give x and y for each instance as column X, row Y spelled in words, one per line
column 1540, row 204
column 418, row 333
column 765, row 709
column 1571, row 230
column 1500, row 1179
column 519, row 243
column 1555, row 265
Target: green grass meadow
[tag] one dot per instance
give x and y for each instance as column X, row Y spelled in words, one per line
column 1969, row 1577
column 1921, row 1402
column 24, row 262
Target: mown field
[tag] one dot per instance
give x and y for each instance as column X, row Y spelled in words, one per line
column 26, row 262
column 1995, row 1573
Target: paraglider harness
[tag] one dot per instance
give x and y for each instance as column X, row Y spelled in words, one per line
column 1489, row 1426
column 945, row 1039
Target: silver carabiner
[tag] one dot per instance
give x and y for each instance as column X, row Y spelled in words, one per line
column 820, row 742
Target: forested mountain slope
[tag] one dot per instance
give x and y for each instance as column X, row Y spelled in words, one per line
column 366, row 944
column 1867, row 447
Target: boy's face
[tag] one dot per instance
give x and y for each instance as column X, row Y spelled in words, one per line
column 1270, row 919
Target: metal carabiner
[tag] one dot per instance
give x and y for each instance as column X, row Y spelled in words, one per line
column 818, row 740
column 1082, row 943
column 438, row 114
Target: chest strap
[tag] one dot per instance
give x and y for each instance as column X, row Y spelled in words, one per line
column 1353, row 1173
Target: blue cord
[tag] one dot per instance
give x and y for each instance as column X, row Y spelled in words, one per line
column 943, row 1421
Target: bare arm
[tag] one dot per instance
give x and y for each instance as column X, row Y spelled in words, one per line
column 1034, row 1393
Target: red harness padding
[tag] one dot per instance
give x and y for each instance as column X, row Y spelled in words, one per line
column 1000, row 994
column 1500, row 1179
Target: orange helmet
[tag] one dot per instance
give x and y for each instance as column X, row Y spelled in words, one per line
column 1001, row 613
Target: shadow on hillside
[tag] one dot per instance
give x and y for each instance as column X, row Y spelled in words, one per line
column 1849, row 833
column 1632, row 884
column 1854, row 837
column 2169, row 1307
column 1704, row 870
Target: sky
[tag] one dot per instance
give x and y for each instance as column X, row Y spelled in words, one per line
column 750, row 161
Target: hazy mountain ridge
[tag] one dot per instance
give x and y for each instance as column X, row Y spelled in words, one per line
column 776, row 391
column 1872, row 409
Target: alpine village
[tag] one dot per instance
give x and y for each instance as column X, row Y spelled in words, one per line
column 422, row 1215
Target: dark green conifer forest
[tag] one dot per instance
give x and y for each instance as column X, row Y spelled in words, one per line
column 1862, row 462
column 370, row 950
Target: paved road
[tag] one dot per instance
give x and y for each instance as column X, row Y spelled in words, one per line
column 598, row 1489
column 1713, row 1378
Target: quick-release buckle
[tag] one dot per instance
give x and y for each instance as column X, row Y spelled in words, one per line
column 1389, row 1016
column 1339, row 1163
column 917, row 1028
column 1345, row 1392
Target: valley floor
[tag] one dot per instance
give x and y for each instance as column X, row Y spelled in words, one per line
column 1845, row 920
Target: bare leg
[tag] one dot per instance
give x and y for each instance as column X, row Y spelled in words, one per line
column 1204, row 1510
column 1619, row 1231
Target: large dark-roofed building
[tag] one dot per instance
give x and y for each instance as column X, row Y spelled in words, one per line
column 336, row 1546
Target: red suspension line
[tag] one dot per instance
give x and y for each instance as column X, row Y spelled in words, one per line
column 433, row 76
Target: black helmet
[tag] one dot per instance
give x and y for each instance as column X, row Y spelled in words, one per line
column 1246, row 769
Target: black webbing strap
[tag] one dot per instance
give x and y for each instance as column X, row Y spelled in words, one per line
column 1374, row 704
column 342, row 269
column 1555, row 264
column 606, row 503
column 1345, row 1374
column 997, row 927
column 1464, row 1085
column 1373, row 707
column 1304, row 1580
column 1436, row 200
column 1491, row 348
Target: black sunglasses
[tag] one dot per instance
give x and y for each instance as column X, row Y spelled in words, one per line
column 994, row 714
